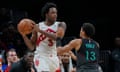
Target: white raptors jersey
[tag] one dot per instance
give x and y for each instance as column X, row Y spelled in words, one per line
column 45, row 45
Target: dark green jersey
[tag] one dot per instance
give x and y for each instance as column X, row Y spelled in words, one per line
column 88, row 53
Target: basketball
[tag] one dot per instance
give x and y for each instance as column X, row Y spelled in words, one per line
column 25, row 26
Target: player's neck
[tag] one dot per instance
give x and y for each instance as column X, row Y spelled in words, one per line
column 48, row 22
column 85, row 37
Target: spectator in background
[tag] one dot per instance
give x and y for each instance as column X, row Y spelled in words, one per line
column 116, row 55
column 66, row 63
column 25, row 64
column 11, row 57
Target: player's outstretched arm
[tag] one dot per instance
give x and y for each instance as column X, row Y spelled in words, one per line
column 76, row 43
column 72, row 44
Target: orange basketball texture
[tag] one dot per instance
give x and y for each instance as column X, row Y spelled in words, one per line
column 25, row 26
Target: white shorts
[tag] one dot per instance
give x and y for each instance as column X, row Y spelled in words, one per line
column 46, row 63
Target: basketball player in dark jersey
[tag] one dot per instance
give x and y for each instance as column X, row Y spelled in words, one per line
column 86, row 48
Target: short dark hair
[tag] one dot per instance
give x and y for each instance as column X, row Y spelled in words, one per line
column 89, row 29
column 11, row 50
column 46, row 8
column 28, row 52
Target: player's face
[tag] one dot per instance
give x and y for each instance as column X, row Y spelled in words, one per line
column 52, row 14
column 65, row 58
column 13, row 57
column 29, row 59
column 81, row 32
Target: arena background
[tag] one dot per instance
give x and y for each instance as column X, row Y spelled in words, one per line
column 103, row 14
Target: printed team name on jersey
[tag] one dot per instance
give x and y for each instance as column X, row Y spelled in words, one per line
column 90, row 45
column 43, row 37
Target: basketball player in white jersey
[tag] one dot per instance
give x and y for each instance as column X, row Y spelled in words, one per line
column 43, row 40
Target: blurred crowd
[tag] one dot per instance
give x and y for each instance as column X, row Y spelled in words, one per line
column 9, row 36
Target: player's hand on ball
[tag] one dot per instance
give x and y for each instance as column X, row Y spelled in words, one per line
column 36, row 28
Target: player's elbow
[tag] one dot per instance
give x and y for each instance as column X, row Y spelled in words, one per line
column 31, row 47
column 60, row 33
